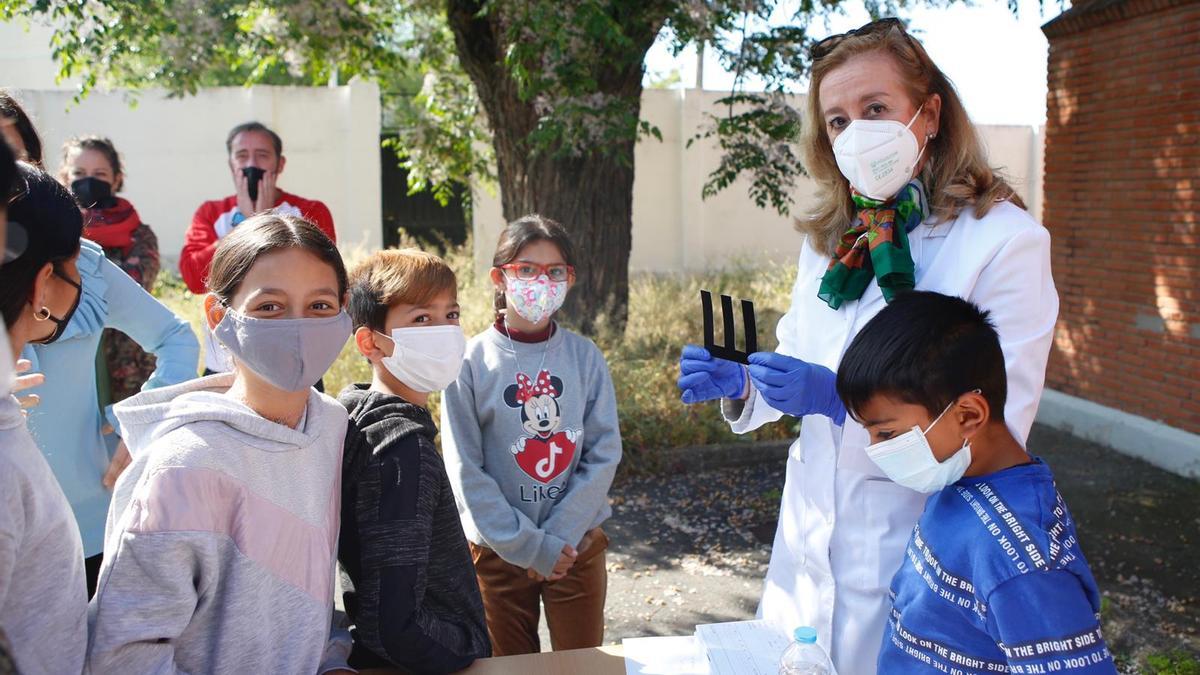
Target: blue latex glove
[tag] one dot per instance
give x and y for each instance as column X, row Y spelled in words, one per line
column 795, row 387
column 704, row 378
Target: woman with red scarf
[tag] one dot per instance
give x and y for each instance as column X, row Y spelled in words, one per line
column 91, row 167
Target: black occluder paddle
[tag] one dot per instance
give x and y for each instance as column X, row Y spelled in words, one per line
column 729, row 350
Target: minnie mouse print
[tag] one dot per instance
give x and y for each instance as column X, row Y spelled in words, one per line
column 546, row 451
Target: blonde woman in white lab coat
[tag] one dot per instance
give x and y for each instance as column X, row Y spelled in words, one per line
column 880, row 113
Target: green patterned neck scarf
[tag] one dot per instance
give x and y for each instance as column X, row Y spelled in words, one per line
column 875, row 247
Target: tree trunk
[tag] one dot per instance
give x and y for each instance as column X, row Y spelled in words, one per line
column 590, row 195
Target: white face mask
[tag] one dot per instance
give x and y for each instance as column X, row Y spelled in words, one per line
column 878, row 157
column 909, row 461
column 426, row 358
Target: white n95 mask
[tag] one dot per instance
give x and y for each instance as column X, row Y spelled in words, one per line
column 426, row 358
column 908, row 460
column 878, row 157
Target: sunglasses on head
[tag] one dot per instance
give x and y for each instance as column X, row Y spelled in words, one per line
column 822, row 48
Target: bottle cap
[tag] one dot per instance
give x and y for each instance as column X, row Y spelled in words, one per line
column 805, row 635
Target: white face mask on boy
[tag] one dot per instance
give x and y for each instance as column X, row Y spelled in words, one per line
column 426, row 358
column 908, row 460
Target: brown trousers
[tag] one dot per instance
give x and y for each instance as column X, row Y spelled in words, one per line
column 574, row 604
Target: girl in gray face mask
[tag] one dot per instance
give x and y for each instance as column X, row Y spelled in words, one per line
column 225, row 526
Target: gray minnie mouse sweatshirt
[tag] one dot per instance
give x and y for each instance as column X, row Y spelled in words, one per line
column 531, row 444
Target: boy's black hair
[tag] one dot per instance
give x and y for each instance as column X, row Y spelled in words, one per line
column 928, row 349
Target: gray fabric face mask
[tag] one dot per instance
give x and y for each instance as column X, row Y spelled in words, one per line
column 291, row 354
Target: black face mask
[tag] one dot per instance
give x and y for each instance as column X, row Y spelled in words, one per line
column 93, row 193
column 60, row 325
column 253, row 176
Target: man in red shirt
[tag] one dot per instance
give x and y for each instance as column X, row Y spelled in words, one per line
column 255, row 162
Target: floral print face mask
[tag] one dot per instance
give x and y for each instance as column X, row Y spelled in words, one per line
column 535, row 299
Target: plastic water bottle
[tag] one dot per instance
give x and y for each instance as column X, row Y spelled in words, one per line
column 804, row 656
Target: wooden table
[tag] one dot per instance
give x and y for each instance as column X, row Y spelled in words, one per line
column 607, row 660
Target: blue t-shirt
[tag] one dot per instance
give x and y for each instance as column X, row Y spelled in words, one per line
column 993, row 581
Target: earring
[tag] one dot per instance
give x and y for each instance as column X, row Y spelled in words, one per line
column 42, row 314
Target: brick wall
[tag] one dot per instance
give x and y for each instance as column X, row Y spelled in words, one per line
column 1122, row 202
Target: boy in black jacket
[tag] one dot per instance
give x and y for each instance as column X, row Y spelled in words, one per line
column 410, row 587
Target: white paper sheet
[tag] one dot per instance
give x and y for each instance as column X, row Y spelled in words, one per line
column 742, row 647
column 664, row 656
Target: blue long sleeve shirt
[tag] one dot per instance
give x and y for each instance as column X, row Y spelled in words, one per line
column 993, row 581
column 68, row 422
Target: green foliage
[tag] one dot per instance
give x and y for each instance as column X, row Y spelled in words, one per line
column 1176, row 662
column 571, row 61
column 431, row 107
column 757, row 139
column 664, row 314
column 664, row 80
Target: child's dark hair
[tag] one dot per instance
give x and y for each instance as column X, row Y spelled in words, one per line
column 101, row 145
column 10, row 109
column 927, row 349
column 262, row 234
column 53, row 225
column 522, row 232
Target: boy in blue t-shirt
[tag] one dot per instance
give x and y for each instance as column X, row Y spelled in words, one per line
column 993, row 580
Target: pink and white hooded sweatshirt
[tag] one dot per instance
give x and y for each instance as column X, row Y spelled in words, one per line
column 221, row 543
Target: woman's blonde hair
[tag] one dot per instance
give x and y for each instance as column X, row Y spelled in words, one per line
column 956, row 174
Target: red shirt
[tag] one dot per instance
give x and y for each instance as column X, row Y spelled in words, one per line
column 214, row 219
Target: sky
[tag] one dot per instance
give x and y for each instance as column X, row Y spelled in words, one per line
column 996, row 59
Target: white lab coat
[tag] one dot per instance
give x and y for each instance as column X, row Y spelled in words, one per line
column 843, row 525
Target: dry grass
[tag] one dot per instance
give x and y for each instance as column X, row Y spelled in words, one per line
column 664, row 314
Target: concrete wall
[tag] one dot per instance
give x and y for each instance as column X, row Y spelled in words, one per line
column 174, row 148
column 675, row 230
column 26, row 60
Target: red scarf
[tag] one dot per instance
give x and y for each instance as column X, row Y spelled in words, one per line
column 111, row 227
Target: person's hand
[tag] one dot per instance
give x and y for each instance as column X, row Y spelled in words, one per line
column 565, row 560
column 27, row 381
column 267, row 192
column 795, row 387
column 589, row 538
column 241, row 188
column 116, row 467
column 563, row 565
column 704, row 378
